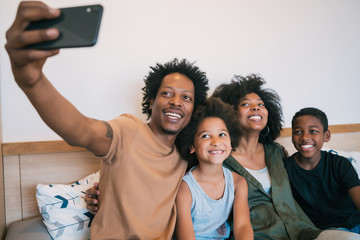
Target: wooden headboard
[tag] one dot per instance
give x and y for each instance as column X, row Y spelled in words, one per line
column 29, row 163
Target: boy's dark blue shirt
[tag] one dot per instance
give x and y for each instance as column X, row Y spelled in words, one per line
column 323, row 191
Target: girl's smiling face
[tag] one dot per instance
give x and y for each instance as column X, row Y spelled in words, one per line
column 212, row 143
column 252, row 113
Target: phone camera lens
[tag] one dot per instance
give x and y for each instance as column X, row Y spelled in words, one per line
column 88, row 10
column 95, row 9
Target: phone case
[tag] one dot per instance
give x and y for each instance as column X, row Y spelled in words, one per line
column 78, row 26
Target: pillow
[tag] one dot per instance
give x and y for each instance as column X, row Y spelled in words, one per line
column 354, row 157
column 89, row 180
column 63, row 209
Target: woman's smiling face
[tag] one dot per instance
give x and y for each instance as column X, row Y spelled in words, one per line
column 252, row 113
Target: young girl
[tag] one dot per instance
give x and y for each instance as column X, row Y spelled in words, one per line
column 209, row 191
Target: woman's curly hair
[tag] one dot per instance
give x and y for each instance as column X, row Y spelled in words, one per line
column 211, row 107
column 239, row 87
column 157, row 73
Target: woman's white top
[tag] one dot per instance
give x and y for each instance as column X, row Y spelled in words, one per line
column 263, row 177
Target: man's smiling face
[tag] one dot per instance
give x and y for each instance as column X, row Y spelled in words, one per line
column 172, row 108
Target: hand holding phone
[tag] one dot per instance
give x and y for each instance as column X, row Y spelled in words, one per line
column 78, row 26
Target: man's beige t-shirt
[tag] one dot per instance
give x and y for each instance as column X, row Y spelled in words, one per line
column 139, row 180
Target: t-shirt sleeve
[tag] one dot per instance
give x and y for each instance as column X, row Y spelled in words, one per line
column 349, row 177
column 124, row 129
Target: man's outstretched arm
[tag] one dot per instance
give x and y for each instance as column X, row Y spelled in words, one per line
column 27, row 64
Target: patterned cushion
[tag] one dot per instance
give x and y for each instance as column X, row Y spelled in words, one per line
column 63, row 208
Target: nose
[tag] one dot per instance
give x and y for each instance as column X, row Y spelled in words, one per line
column 305, row 135
column 254, row 107
column 175, row 101
column 215, row 141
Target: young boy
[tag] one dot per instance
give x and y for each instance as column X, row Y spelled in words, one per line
column 325, row 185
column 209, row 191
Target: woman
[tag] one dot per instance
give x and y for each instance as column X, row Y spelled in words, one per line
column 274, row 213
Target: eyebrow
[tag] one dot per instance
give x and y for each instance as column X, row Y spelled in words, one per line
column 247, row 99
column 170, row 87
column 315, row 126
column 312, row 126
column 221, row 130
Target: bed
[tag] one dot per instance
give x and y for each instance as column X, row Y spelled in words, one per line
column 54, row 162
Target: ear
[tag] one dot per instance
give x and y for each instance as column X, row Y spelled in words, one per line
column 327, row 136
column 151, row 103
column 192, row 149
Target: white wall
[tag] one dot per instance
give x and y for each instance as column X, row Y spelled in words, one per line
column 308, row 51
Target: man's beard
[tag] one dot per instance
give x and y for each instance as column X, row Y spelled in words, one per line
column 170, row 132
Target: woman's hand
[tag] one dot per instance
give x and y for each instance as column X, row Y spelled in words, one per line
column 91, row 196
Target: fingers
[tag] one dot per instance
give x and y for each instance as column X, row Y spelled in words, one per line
column 18, row 38
column 21, row 39
column 24, row 56
column 92, row 211
column 33, row 11
column 93, row 192
column 91, row 200
column 91, row 195
column 92, row 205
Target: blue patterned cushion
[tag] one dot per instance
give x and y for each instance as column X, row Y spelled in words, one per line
column 63, row 209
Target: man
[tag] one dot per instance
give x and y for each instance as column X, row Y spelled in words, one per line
column 141, row 168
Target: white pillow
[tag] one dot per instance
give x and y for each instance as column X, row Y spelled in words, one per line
column 89, row 180
column 63, row 208
column 354, row 157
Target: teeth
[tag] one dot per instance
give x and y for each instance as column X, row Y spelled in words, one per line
column 255, row 117
column 307, row 146
column 173, row 115
column 216, row 152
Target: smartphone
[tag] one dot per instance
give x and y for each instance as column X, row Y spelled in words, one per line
column 78, row 26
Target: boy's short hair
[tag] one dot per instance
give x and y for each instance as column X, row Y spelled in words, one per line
column 312, row 111
column 157, row 73
column 211, row 107
column 240, row 86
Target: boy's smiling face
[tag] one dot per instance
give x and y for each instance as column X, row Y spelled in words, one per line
column 308, row 137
